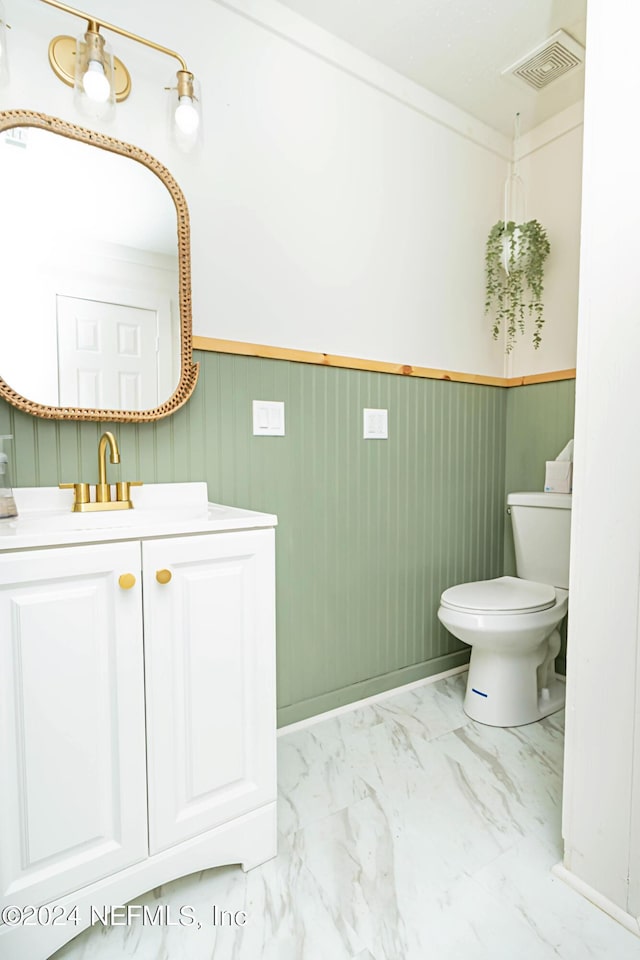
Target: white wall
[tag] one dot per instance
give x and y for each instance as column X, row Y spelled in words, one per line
column 336, row 206
column 551, row 167
column 602, row 770
column 326, row 214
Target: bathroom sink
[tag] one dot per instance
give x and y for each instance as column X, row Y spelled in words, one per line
column 45, row 516
column 57, row 521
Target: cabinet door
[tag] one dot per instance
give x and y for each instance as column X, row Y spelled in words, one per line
column 210, row 681
column 72, row 776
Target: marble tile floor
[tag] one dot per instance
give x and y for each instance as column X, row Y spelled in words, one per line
column 407, row 831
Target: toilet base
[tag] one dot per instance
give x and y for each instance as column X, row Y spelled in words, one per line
column 556, row 698
column 503, row 691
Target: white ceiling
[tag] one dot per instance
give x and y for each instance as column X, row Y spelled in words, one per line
column 457, row 48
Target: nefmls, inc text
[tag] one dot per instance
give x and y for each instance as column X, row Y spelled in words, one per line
column 163, row 915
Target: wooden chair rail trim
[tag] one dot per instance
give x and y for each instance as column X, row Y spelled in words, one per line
column 215, row 345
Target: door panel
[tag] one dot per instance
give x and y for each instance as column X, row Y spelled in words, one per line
column 72, row 779
column 210, row 675
column 107, row 354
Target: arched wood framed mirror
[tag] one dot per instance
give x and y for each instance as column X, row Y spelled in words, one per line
column 95, row 276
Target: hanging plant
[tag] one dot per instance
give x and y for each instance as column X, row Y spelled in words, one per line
column 514, row 260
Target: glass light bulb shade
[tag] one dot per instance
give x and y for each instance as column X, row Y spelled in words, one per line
column 186, row 116
column 95, row 83
column 95, row 94
column 184, row 113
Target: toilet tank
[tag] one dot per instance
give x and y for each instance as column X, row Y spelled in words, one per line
column 541, row 524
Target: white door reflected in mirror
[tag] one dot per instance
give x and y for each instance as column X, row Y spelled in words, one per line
column 89, row 293
column 107, row 355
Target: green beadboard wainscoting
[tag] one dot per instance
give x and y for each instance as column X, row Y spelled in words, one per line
column 370, row 531
column 539, row 424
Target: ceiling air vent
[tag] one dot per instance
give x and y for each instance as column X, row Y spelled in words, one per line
column 550, row 60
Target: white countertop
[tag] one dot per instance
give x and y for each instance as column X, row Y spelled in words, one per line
column 45, row 518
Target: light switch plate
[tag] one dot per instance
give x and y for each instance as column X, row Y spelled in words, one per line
column 16, row 136
column 268, row 418
column 375, row 424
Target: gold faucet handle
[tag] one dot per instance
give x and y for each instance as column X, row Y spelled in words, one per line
column 103, row 492
column 123, row 492
column 82, row 492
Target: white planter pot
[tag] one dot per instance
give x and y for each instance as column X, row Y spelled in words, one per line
column 507, row 262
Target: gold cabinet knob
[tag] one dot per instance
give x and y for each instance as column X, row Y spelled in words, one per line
column 126, row 581
column 163, row 576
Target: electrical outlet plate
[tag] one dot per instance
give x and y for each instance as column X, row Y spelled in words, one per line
column 375, row 424
column 16, row 136
column 268, row 418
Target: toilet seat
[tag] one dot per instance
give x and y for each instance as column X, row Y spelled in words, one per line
column 504, row 595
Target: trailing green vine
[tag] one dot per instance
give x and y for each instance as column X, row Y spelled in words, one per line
column 521, row 248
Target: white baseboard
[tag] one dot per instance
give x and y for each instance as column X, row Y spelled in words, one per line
column 597, row 899
column 376, row 698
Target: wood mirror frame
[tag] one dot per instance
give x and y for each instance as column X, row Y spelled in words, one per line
column 188, row 369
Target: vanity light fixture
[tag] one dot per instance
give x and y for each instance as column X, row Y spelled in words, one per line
column 101, row 80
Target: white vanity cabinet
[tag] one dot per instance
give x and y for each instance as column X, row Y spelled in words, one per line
column 73, row 786
column 137, row 719
column 209, row 753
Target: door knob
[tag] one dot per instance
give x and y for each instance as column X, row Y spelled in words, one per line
column 163, row 576
column 126, row 581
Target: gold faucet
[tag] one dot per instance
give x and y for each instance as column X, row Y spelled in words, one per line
column 103, row 489
column 82, row 501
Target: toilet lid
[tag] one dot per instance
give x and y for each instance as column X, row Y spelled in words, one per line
column 503, row 595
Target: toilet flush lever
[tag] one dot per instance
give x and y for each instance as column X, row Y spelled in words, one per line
column 509, row 511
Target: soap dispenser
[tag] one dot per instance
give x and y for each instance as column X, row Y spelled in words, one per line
column 8, row 507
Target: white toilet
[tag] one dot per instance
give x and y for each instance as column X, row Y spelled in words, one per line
column 512, row 623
